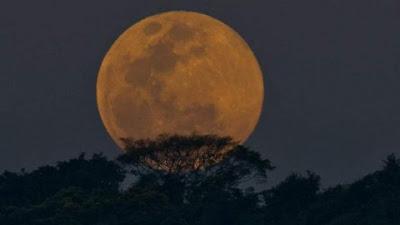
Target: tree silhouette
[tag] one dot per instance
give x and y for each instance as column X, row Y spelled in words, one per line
column 87, row 191
column 285, row 202
column 177, row 154
column 25, row 188
column 169, row 162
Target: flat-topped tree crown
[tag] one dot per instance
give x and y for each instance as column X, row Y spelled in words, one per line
column 176, row 154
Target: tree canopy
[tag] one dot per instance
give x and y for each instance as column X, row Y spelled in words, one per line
column 129, row 190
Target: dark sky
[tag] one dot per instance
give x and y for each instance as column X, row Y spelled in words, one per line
column 331, row 70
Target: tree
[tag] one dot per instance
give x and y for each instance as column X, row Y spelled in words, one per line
column 206, row 188
column 285, row 203
column 196, row 192
column 96, row 173
column 177, row 154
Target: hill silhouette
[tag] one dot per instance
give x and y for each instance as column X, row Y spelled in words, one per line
column 88, row 191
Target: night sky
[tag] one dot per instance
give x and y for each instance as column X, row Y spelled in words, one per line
column 331, row 72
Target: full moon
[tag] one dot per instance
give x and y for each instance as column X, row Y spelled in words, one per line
column 179, row 73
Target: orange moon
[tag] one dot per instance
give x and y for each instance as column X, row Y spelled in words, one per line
column 179, row 73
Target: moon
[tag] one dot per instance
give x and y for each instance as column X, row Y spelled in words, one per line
column 179, row 73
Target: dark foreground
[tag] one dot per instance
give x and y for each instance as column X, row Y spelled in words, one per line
column 89, row 191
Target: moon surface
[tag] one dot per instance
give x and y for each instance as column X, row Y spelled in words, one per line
column 179, row 73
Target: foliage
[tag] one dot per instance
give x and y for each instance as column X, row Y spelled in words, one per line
column 18, row 189
column 177, row 154
column 85, row 191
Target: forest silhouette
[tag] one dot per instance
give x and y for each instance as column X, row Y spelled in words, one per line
column 195, row 180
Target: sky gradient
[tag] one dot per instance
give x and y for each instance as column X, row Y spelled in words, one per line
column 331, row 73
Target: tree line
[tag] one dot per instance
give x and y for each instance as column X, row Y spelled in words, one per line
column 137, row 189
